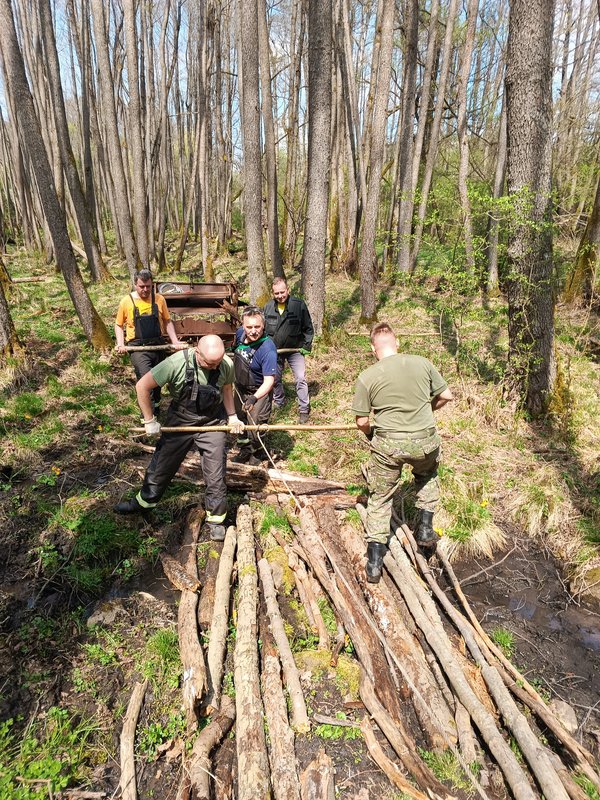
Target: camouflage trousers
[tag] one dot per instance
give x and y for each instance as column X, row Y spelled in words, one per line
column 388, row 456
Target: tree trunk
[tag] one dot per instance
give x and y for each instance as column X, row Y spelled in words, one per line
column 319, row 157
column 406, row 151
column 582, row 281
column 493, row 221
column 16, row 81
column 9, row 341
column 138, row 167
column 532, row 368
column 270, row 148
column 368, row 262
column 123, row 217
column 463, row 138
column 257, row 275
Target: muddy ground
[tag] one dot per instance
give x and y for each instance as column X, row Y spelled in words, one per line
column 50, row 654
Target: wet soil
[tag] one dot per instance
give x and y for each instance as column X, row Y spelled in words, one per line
column 556, row 638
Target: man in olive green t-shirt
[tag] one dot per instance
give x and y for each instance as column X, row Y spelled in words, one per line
column 402, row 392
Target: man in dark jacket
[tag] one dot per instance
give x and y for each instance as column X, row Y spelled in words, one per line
column 288, row 323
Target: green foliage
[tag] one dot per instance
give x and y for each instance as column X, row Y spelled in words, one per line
column 446, row 767
column 151, row 737
column 47, row 758
column 162, row 663
column 334, row 733
column 271, row 518
column 586, row 784
column 27, row 405
column 505, row 640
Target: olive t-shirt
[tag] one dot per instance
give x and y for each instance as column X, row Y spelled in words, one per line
column 172, row 371
column 399, row 390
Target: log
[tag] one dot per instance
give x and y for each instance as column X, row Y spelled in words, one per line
column 208, row 738
column 194, row 682
column 386, row 765
column 31, row 279
column 347, row 597
column 220, row 620
column 533, row 751
column 225, row 771
column 177, row 575
column 316, row 782
column 128, row 782
column 403, row 744
column 300, row 722
column 309, row 601
column 282, row 757
column 413, row 593
column 430, row 707
column 253, row 763
column 207, row 595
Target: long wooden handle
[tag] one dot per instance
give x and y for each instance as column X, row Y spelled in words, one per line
column 261, row 428
column 131, row 348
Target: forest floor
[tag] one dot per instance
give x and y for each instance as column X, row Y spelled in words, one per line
column 85, row 609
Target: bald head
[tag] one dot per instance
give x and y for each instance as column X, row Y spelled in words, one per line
column 210, row 351
column 383, row 341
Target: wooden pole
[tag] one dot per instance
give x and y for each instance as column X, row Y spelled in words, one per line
column 260, row 428
column 141, row 348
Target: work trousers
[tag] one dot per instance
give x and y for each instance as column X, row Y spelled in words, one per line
column 298, row 364
column 170, row 452
column 143, row 363
column 259, row 415
column 388, row 457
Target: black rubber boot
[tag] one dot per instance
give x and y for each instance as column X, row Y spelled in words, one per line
column 129, row 507
column 425, row 536
column 375, row 555
column 216, row 531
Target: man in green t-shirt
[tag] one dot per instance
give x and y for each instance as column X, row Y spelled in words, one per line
column 201, row 384
column 402, row 392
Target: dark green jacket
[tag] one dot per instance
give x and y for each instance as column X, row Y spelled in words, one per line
column 293, row 328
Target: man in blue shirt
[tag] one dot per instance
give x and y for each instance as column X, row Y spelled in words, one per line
column 255, row 363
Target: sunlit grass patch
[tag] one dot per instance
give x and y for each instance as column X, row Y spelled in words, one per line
column 161, row 662
column 51, row 755
column 470, row 527
column 540, row 504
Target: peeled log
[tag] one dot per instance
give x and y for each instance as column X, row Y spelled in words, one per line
column 253, row 763
column 300, row 721
column 316, row 782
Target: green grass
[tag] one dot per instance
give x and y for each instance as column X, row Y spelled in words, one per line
column 51, row 755
column 505, row 640
column 161, row 662
column 446, row 768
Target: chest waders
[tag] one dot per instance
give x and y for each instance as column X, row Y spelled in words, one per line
column 147, row 331
column 198, row 404
column 245, row 385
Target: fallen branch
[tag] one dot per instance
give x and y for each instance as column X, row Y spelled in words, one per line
column 128, row 782
column 208, row 738
column 386, row 765
column 300, row 721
